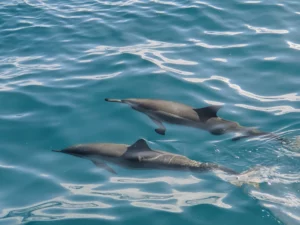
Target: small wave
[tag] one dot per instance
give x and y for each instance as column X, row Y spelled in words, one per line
column 190, row 199
column 169, row 180
column 165, row 2
column 252, row 2
column 205, row 45
column 118, row 3
column 209, row 5
column 290, row 149
column 139, row 198
column 151, row 52
column 220, row 59
column 264, row 30
column 42, row 4
column 20, row 66
column 95, row 77
column 291, row 97
column 23, row 83
column 259, row 175
column 277, row 110
column 5, row 87
column 6, row 166
column 27, row 65
column 222, row 33
column 270, row 58
column 286, row 207
column 40, row 211
column 289, row 200
column 293, row 45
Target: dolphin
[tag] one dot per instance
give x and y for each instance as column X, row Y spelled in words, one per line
column 140, row 156
column 205, row 118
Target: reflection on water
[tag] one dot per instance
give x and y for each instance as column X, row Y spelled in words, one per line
column 62, row 209
column 264, row 30
column 60, row 59
column 175, row 201
column 205, row 45
column 284, row 205
column 172, row 202
column 222, row 33
column 168, row 180
column 209, row 5
column 291, row 97
column 152, row 51
column 293, row 45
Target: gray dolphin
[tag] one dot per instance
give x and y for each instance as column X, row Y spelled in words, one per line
column 204, row 118
column 140, row 156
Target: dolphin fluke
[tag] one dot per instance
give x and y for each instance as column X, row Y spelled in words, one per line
column 113, row 100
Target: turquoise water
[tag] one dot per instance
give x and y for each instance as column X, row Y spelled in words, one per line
column 60, row 59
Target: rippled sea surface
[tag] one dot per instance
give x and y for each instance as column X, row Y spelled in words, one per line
column 60, row 59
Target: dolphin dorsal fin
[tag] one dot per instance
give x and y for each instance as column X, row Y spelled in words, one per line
column 139, row 144
column 208, row 112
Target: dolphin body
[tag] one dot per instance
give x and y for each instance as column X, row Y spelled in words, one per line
column 204, row 118
column 140, row 156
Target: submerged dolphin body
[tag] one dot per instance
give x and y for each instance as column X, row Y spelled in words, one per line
column 204, row 118
column 140, row 156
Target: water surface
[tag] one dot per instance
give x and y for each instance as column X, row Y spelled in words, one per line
column 60, row 59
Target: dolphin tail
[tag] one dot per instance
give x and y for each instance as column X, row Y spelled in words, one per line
column 114, row 100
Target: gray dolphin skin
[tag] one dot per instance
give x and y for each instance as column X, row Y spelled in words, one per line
column 140, row 156
column 204, row 118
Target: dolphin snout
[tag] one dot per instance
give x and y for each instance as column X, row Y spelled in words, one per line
column 54, row 150
column 113, row 100
column 71, row 150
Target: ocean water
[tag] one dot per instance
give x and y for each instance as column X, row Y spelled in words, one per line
column 60, row 59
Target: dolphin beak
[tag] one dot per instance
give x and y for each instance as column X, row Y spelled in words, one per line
column 53, row 150
column 68, row 153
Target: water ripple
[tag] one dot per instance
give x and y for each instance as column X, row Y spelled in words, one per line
column 169, row 180
column 91, row 77
column 150, row 52
column 59, row 7
column 60, row 57
column 288, row 200
column 152, row 200
column 222, row 33
column 264, row 30
column 285, row 205
column 209, row 5
column 220, row 59
column 291, row 97
column 165, row 2
column 252, row 2
column 293, row 45
column 277, row 110
column 25, row 65
column 61, row 207
column 205, row 45
column 270, row 58
column 118, row 3
column 19, row 63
